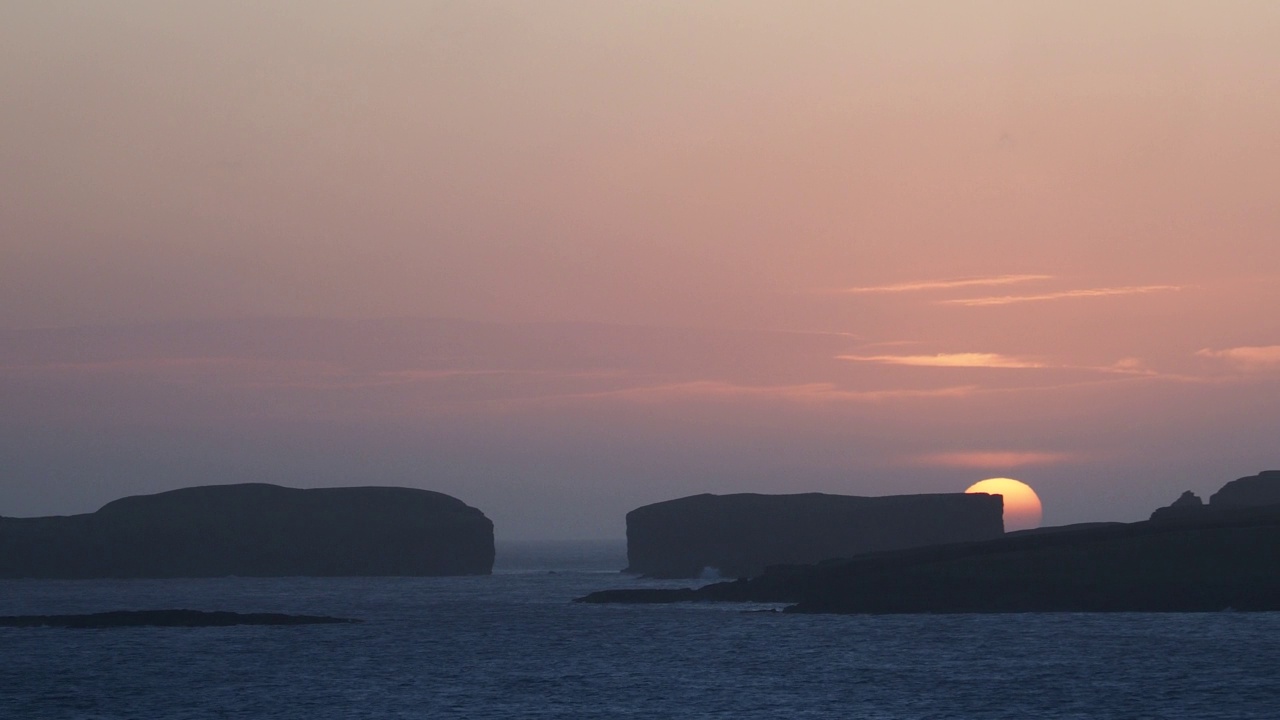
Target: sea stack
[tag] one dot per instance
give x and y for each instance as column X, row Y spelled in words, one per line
column 740, row 535
column 255, row 530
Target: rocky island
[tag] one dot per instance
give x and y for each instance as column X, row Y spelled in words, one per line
column 740, row 535
column 1184, row 561
column 255, row 530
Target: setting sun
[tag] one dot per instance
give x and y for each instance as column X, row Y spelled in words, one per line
column 1022, row 510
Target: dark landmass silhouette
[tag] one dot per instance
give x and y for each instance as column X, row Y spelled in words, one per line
column 255, row 530
column 1187, row 505
column 1219, row 560
column 740, row 535
column 1258, row 490
column 1251, row 491
column 165, row 618
column 1062, row 528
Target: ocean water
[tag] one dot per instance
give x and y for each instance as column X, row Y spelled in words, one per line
column 512, row 645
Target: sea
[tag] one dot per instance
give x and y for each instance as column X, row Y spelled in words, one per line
column 513, row 645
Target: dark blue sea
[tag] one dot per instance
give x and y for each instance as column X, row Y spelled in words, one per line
column 512, row 645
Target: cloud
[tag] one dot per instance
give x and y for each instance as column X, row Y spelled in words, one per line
column 1247, row 357
column 920, row 285
column 1063, row 295
column 956, row 360
column 995, row 459
column 809, row 392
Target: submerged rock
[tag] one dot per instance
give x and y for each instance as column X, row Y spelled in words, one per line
column 740, row 535
column 255, row 530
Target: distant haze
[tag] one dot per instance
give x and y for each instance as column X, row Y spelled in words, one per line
column 560, row 259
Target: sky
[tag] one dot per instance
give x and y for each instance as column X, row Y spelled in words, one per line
column 563, row 259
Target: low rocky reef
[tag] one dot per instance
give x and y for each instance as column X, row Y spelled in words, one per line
column 165, row 618
column 255, row 530
column 1213, row 561
column 740, row 535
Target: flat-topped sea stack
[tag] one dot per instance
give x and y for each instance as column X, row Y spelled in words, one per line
column 255, row 530
column 740, row 535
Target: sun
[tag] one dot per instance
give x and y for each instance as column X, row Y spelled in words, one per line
column 1022, row 510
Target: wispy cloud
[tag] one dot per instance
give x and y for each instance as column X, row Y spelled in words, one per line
column 992, row 459
column 920, row 285
column 954, row 360
column 809, row 392
column 1247, row 357
column 1062, row 295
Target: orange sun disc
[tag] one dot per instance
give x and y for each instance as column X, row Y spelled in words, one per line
column 1022, row 510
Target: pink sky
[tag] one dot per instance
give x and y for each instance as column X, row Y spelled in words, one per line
column 640, row 250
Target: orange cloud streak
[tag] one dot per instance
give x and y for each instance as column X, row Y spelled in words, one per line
column 947, row 284
column 958, row 360
column 1064, row 295
column 1250, row 357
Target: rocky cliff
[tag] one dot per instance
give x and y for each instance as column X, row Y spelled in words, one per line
column 739, row 535
column 255, row 530
column 1218, row 561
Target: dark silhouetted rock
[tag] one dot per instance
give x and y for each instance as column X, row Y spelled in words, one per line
column 1062, row 528
column 165, row 618
column 255, row 530
column 643, row 596
column 1218, row 561
column 1187, row 505
column 1252, row 491
column 740, row 535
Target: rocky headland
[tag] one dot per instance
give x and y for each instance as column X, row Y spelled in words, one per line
column 1225, row 559
column 255, row 530
column 740, row 535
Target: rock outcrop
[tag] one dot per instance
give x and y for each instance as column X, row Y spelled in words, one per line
column 255, row 530
column 1218, row 561
column 1255, row 491
column 740, row 535
column 1187, row 505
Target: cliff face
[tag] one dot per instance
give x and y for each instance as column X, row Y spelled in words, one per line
column 255, row 530
column 739, row 535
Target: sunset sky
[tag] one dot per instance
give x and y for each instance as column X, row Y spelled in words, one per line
column 561, row 259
